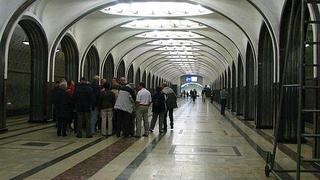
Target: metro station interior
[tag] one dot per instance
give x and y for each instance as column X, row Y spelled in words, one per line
column 263, row 53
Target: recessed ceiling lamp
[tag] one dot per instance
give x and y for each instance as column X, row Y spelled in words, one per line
column 183, row 60
column 161, row 24
column 180, row 53
column 177, row 57
column 177, row 48
column 172, row 42
column 170, row 35
column 185, row 63
column 156, row 9
column 25, row 42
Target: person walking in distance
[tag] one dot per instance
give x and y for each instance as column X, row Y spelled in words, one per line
column 142, row 108
column 84, row 99
column 158, row 109
column 223, row 100
column 171, row 103
column 203, row 95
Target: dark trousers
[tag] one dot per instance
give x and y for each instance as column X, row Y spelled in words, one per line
column 62, row 126
column 132, row 123
column 84, row 120
column 75, row 121
column 223, row 105
column 165, row 119
column 124, row 123
column 114, row 121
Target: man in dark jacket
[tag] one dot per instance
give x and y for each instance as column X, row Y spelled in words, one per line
column 158, row 109
column 171, row 103
column 84, row 99
column 64, row 109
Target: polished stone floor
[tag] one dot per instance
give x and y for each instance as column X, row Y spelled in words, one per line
column 202, row 145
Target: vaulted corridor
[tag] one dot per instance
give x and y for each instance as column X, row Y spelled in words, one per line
column 203, row 145
column 64, row 63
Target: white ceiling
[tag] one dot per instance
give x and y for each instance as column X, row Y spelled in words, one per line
column 226, row 31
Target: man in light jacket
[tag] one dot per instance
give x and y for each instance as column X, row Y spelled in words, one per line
column 171, row 103
column 124, row 107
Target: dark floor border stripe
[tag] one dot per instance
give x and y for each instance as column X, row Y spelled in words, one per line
column 129, row 170
column 90, row 166
column 17, row 123
column 26, row 132
column 256, row 147
column 21, row 128
column 56, row 160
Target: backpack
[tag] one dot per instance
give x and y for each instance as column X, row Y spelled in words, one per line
column 156, row 102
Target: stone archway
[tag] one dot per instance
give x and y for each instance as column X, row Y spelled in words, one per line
column 121, row 70
column 250, row 103
column 137, row 78
column 130, row 74
column 109, row 68
column 38, row 91
column 91, row 64
column 240, row 89
column 264, row 117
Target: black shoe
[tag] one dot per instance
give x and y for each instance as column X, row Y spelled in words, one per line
column 89, row 136
column 161, row 132
column 137, row 136
column 58, row 134
column 171, row 127
column 145, row 135
column 151, row 130
column 64, row 135
column 79, row 136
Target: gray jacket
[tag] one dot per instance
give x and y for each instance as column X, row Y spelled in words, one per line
column 171, row 98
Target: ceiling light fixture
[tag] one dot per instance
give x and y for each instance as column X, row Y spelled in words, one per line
column 163, row 24
column 177, row 48
column 25, row 40
column 157, row 9
column 180, row 53
column 173, row 42
column 170, row 35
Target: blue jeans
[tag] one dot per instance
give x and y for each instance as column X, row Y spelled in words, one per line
column 94, row 119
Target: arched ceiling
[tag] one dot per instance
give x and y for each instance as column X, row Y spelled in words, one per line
column 226, row 28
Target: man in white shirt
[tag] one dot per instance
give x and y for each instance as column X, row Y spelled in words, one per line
column 143, row 102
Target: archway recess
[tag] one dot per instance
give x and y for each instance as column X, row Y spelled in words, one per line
column 91, row 64
column 39, row 91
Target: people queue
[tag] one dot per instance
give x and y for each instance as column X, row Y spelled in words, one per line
column 113, row 108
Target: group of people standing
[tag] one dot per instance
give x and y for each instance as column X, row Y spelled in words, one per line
column 114, row 108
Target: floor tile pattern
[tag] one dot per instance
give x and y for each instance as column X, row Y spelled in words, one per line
column 202, row 145
column 90, row 166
